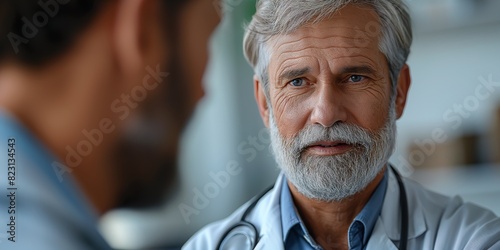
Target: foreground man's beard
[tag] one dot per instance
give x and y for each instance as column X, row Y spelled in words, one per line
column 333, row 178
column 147, row 156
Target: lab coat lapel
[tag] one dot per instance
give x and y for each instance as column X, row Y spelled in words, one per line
column 379, row 240
column 388, row 227
column 269, row 224
column 271, row 238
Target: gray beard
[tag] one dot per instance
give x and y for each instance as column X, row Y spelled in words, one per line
column 333, row 178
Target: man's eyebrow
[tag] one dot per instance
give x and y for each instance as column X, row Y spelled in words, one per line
column 364, row 69
column 293, row 73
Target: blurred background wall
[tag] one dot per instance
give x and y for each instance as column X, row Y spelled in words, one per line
column 448, row 138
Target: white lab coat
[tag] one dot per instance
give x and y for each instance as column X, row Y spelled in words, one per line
column 435, row 222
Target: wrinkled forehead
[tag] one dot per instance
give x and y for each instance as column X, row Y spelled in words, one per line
column 352, row 30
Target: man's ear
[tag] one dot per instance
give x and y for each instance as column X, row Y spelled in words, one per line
column 404, row 82
column 138, row 36
column 260, row 97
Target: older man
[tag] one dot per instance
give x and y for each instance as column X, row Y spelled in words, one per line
column 330, row 81
column 93, row 98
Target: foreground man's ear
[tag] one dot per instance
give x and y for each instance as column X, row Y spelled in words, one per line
column 260, row 97
column 137, row 35
column 404, row 82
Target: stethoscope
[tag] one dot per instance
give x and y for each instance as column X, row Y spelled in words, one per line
column 244, row 235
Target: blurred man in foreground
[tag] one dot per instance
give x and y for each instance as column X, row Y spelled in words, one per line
column 330, row 81
column 93, row 98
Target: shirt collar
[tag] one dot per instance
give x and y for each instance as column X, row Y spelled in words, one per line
column 366, row 219
column 289, row 217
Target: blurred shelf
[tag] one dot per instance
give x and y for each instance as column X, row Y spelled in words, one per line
column 479, row 183
column 441, row 15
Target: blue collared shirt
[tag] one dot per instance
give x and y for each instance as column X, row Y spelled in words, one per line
column 48, row 213
column 296, row 236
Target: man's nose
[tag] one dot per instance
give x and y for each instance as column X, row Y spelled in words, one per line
column 328, row 108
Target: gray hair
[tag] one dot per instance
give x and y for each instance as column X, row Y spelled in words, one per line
column 279, row 17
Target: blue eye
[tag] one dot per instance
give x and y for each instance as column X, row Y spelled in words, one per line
column 356, row 78
column 297, row 82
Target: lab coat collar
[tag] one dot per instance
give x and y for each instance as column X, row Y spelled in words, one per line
column 390, row 216
column 269, row 225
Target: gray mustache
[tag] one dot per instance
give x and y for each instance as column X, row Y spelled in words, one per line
column 341, row 132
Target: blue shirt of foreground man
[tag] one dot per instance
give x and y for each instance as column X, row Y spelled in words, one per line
column 34, row 192
column 93, row 98
column 330, row 81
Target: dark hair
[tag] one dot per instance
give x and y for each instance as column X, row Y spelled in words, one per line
column 35, row 31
